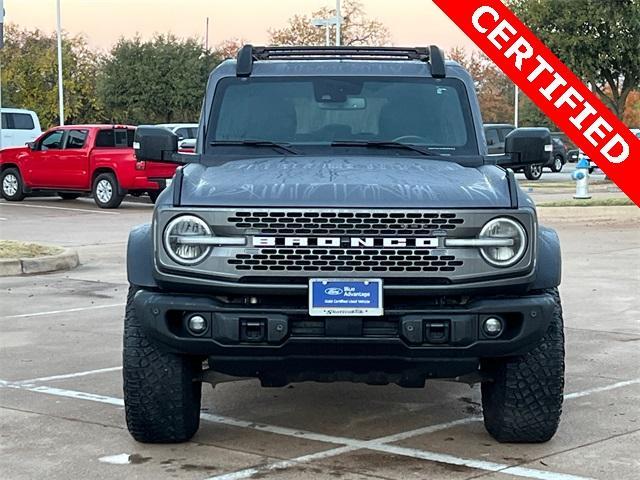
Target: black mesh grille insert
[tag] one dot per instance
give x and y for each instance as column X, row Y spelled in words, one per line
column 344, row 223
column 344, row 260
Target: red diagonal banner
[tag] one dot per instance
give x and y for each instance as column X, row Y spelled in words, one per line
column 551, row 85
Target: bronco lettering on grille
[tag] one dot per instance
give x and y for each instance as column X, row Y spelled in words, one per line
column 354, row 242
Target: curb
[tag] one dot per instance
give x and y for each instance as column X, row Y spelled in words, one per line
column 66, row 260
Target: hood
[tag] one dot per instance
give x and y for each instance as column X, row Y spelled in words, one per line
column 398, row 182
column 12, row 151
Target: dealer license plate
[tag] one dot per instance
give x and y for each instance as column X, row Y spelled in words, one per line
column 342, row 297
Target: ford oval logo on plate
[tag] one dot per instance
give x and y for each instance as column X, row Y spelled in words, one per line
column 333, row 291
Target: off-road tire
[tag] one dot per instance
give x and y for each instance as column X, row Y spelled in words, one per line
column 115, row 199
column 533, row 172
column 68, row 196
column 14, row 175
column 523, row 403
column 161, row 398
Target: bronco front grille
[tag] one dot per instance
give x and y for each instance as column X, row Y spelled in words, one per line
column 287, row 246
column 274, row 222
column 344, row 260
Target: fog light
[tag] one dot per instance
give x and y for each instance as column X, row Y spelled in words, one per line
column 492, row 326
column 197, row 324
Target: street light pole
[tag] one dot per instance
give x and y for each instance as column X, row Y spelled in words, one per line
column 516, row 107
column 338, row 24
column 206, row 36
column 327, row 22
column 60, row 88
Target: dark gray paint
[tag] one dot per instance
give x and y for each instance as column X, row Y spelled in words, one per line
column 549, row 260
column 140, row 256
column 367, row 181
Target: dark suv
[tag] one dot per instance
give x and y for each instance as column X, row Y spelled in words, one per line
column 342, row 220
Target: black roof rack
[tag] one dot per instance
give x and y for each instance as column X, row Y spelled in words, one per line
column 432, row 54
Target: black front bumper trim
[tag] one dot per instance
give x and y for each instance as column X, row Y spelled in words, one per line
column 440, row 333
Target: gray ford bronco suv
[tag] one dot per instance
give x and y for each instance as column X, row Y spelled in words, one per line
column 341, row 220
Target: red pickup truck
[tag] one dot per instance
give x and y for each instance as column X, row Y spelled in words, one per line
column 78, row 159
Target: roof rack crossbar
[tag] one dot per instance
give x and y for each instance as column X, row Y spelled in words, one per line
column 248, row 54
column 266, row 53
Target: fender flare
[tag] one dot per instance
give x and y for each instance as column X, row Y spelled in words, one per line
column 140, row 265
column 548, row 260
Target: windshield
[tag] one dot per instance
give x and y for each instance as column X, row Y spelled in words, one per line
column 316, row 112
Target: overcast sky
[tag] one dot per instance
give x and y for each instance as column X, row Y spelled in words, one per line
column 102, row 22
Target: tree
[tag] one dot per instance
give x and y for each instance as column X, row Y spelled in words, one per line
column 632, row 112
column 356, row 28
column 598, row 40
column 531, row 116
column 30, row 75
column 229, row 47
column 161, row 80
column 494, row 90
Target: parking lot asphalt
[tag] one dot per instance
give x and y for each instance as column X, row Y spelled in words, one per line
column 61, row 413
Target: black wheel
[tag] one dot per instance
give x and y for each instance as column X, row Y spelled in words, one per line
column 153, row 195
column 106, row 192
column 161, row 397
column 523, row 403
column 533, row 172
column 68, row 196
column 12, row 186
column 557, row 164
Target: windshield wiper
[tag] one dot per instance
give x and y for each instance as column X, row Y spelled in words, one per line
column 256, row 143
column 385, row 144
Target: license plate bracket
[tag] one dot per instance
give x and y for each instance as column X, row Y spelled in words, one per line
column 344, row 297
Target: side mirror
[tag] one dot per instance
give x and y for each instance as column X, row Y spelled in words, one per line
column 527, row 146
column 155, row 144
column 31, row 145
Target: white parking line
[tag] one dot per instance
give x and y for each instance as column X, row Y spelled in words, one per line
column 351, row 447
column 380, row 445
column 249, row 472
column 347, row 444
column 68, row 310
column 424, row 430
column 472, row 463
column 61, row 392
column 83, row 210
column 290, row 432
column 68, row 375
column 605, row 388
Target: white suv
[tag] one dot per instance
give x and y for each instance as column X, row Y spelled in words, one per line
column 184, row 131
column 19, row 127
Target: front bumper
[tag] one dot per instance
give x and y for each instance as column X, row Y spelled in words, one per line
column 439, row 341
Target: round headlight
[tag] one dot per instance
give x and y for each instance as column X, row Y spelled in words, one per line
column 500, row 229
column 176, row 239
